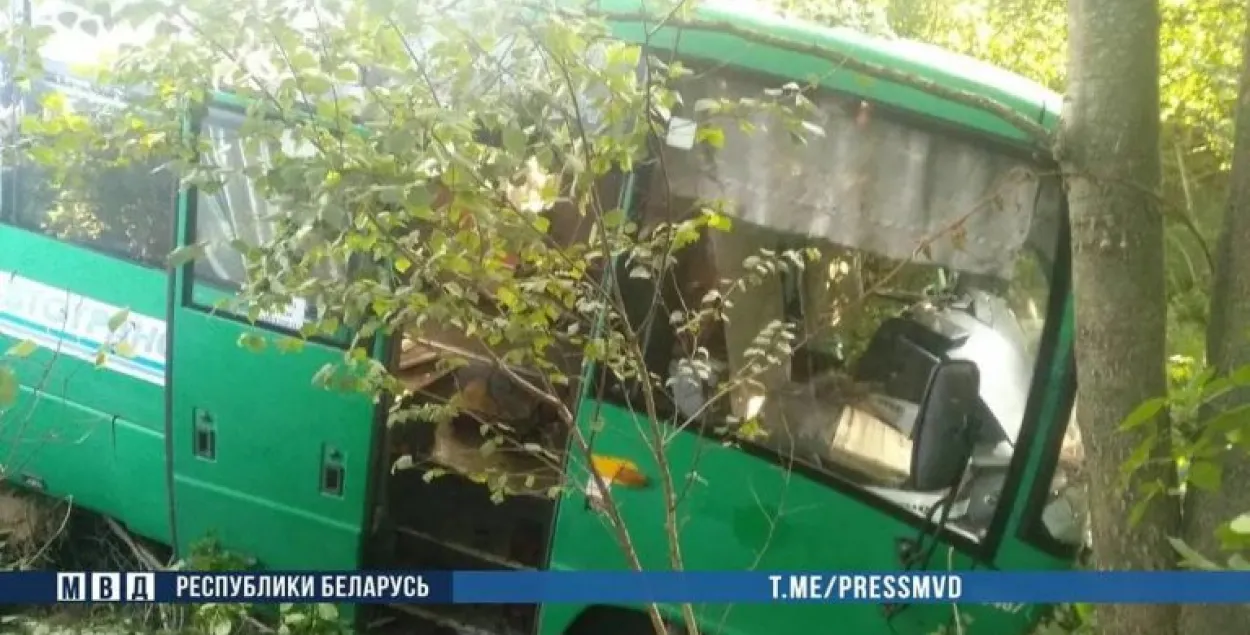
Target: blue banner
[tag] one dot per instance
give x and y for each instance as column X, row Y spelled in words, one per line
column 507, row 587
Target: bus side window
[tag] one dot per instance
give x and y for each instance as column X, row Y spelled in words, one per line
column 95, row 198
column 238, row 211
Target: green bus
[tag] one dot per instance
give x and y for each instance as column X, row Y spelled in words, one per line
column 954, row 464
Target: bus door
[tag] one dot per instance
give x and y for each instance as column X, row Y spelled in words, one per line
column 263, row 459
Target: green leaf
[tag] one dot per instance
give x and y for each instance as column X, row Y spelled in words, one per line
column 323, row 376
column 712, row 136
column 1139, row 456
column 185, row 254
column 1143, row 413
column 328, row 612
column 252, row 342
column 1205, row 475
column 118, row 319
column 1241, row 524
column 1226, row 421
column 1191, row 558
column 289, row 344
column 1139, row 510
column 488, row 447
column 8, row 387
column 507, row 297
column 166, row 28
column 707, row 105
column 1241, row 376
column 22, row 349
column 719, row 222
column 541, row 224
column 330, row 325
column 1238, row 562
column 514, row 140
column 614, row 218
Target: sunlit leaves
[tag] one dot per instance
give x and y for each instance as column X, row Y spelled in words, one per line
column 711, row 135
column 252, row 342
column 8, row 386
column 427, row 171
column 1241, row 524
column 186, row 254
column 118, row 319
column 614, row 218
column 1190, row 558
column 22, row 349
column 1205, row 475
column 1143, row 413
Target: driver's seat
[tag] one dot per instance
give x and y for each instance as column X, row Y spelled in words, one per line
column 932, row 400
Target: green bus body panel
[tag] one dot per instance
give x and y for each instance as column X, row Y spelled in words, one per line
column 727, row 508
column 742, row 512
column 262, row 493
column 87, row 433
column 924, row 61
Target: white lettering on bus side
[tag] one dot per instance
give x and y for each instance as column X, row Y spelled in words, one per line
column 78, row 326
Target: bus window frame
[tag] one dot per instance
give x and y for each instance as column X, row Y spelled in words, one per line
column 193, row 279
column 986, row 548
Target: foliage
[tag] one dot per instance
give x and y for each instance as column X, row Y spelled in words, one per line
column 1075, row 619
column 239, row 618
column 207, row 555
column 25, row 625
column 8, row 378
column 1199, row 443
column 292, row 619
column 431, row 155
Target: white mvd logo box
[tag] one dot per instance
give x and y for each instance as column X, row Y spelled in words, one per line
column 105, row 587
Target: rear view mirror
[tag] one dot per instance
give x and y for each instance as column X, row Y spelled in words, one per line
column 943, row 438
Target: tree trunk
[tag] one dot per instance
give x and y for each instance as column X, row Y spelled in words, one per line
column 1228, row 348
column 1109, row 153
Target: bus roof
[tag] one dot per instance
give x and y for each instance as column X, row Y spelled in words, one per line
column 721, row 42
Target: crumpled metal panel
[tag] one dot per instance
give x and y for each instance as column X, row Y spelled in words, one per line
column 869, row 183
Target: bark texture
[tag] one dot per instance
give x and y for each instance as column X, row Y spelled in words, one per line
column 1109, row 152
column 1228, row 348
